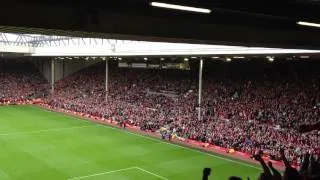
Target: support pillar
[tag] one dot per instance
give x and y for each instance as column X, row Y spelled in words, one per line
column 52, row 75
column 200, row 89
column 106, row 80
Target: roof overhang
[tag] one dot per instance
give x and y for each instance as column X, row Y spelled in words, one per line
column 49, row 45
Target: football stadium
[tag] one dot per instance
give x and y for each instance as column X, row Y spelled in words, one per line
column 96, row 105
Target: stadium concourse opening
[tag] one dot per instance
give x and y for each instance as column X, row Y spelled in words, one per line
column 181, row 107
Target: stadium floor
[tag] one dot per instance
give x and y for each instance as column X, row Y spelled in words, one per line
column 37, row 144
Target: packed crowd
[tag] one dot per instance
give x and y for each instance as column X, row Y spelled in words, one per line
column 247, row 107
column 263, row 110
column 20, row 82
column 244, row 111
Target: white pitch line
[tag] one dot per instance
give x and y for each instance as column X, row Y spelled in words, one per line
column 164, row 142
column 180, row 146
column 151, row 173
column 44, row 130
column 119, row 170
column 103, row 173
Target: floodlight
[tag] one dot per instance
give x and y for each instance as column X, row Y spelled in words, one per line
column 180, row 7
column 303, row 23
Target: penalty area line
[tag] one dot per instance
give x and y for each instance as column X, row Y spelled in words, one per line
column 118, row 170
column 103, row 173
column 156, row 175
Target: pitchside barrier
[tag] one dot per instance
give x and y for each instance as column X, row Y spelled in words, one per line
column 21, row 102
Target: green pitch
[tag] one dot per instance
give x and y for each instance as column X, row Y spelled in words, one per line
column 36, row 144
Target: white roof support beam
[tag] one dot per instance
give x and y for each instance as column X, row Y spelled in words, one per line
column 41, row 45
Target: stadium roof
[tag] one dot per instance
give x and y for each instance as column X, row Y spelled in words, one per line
column 50, row 45
column 244, row 23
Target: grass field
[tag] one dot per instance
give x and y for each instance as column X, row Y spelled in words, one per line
column 36, row 144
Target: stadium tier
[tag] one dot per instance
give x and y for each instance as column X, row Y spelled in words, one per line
column 20, row 82
column 248, row 107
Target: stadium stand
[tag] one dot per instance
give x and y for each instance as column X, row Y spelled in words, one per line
column 256, row 109
column 20, row 82
column 248, row 106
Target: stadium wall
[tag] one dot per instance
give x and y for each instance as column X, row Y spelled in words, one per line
column 44, row 68
column 63, row 68
column 69, row 67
